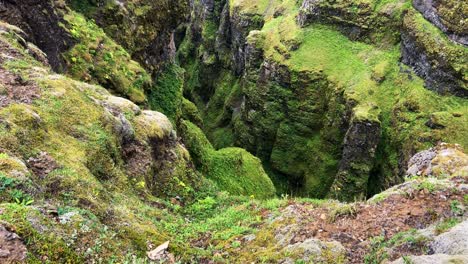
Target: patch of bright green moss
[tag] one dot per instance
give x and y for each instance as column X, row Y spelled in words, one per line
column 232, row 169
column 166, row 95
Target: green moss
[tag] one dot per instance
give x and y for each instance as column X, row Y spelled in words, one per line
column 48, row 244
column 166, row 95
column 446, row 225
column 97, row 58
column 232, row 169
column 191, row 113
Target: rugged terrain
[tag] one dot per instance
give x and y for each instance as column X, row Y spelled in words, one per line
column 267, row 131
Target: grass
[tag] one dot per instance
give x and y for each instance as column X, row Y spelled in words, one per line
column 446, row 225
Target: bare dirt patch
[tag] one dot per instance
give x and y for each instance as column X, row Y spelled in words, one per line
column 12, row 248
column 395, row 214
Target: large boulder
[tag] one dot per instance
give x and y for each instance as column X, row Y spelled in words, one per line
column 442, row 160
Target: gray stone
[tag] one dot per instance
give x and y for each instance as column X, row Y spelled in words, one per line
column 453, row 242
column 433, row 259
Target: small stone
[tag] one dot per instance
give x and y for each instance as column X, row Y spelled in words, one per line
column 4, row 253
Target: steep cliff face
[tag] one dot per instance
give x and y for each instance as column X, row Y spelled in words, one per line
column 439, row 61
column 146, row 29
column 289, row 93
column 449, row 16
column 41, row 21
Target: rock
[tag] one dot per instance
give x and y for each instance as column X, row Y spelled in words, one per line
column 12, row 248
column 438, row 68
column 356, row 20
column 121, row 105
column 152, row 124
column 455, row 27
column 312, row 249
column 42, row 164
column 43, row 25
column 160, row 253
column 360, row 144
column 68, row 217
column 442, row 160
column 433, row 259
column 452, row 242
column 14, row 167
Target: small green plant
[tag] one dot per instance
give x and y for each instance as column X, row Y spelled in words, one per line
column 21, row 198
column 236, row 244
column 377, row 253
column 427, row 185
column 342, row 210
column 407, row 260
column 456, row 207
column 5, row 182
column 446, row 225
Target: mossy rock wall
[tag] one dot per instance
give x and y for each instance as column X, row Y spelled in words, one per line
column 309, row 75
column 80, row 169
column 144, row 28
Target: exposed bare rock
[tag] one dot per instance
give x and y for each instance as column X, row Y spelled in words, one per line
column 453, row 23
column 42, row 24
column 453, row 242
column 42, row 164
column 442, row 160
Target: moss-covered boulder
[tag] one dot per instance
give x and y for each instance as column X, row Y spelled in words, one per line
column 232, row 169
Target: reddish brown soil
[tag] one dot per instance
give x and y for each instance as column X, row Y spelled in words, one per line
column 13, row 88
column 42, row 165
column 395, row 214
column 12, row 248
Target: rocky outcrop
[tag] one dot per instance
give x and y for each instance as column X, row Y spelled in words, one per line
column 449, row 16
column 41, row 21
column 452, row 242
column 359, row 20
column 442, row 160
column 448, row 247
column 359, row 149
column 12, row 248
column 439, row 62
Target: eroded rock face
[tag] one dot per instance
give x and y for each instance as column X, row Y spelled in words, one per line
column 359, row 149
column 356, row 19
column 449, row 16
column 12, row 248
column 146, row 29
column 41, row 21
column 441, row 161
column 439, row 63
